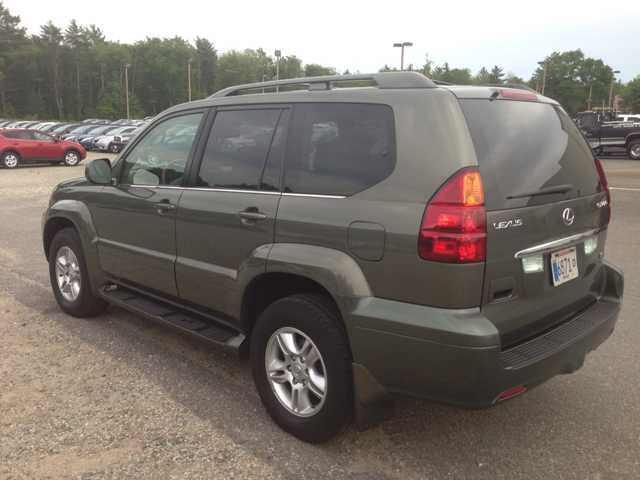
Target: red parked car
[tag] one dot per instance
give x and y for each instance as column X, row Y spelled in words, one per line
column 30, row 146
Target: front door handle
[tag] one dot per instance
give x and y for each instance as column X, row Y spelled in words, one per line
column 164, row 207
column 251, row 215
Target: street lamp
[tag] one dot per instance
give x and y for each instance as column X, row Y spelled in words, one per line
column 191, row 60
column 544, row 76
column 611, row 89
column 278, row 54
column 402, row 45
column 126, row 85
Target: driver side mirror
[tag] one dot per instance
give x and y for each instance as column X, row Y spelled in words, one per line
column 98, row 171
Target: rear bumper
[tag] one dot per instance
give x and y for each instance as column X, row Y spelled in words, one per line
column 455, row 357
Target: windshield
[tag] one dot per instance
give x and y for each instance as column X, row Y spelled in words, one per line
column 523, row 147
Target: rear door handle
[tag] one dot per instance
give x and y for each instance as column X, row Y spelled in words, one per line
column 251, row 215
column 164, row 207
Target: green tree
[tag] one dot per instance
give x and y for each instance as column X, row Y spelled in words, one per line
column 315, row 70
column 482, row 77
column 112, row 103
column 495, row 77
column 570, row 77
column 632, row 96
column 78, row 41
column 50, row 40
column 207, row 63
column 13, row 44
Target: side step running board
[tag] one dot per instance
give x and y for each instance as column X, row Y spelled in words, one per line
column 184, row 322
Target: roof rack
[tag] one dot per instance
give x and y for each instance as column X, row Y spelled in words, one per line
column 384, row 80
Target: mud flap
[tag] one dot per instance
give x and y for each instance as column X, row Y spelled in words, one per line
column 373, row 405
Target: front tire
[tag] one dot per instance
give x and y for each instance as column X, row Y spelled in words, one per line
column 70, row 277
column 71, row 159
column 633, row 150
column 301, row 365
column 113, row 148
column 10, row 160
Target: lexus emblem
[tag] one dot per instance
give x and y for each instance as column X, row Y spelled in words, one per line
column 568, row 216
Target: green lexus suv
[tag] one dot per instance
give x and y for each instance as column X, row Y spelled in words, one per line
column 399, row 237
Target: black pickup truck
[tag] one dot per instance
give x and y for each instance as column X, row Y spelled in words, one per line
column 603, row 130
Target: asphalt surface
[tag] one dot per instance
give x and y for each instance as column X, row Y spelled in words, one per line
column 580, row 426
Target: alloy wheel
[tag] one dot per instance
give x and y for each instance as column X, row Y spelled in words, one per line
column 68, row 274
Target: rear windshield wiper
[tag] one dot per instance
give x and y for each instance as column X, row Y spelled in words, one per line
column 544, row 191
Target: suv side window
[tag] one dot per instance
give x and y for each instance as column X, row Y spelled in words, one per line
column 160, row 157
column 19, row 135
column 237, row 149
column 43, row 137
column 340, row 149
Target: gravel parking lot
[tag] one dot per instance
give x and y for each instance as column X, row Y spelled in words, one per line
column 120, row 397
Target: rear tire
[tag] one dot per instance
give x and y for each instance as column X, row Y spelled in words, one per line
column 70, row 277
column 10, row 160
column 301, row 365
column 633, row 150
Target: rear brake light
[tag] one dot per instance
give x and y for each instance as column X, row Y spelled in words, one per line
column 518, row 94
column 454, row 228
column 605, row 185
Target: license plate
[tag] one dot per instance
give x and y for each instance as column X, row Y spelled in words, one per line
column 564, row 266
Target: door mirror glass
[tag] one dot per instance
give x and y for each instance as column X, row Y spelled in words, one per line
column 99, row 171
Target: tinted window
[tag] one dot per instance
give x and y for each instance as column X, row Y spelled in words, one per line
column 160, row 157
column 237, row 149
column 340, row 149
column 43, row 137
column 20, row 135
column 523, row 147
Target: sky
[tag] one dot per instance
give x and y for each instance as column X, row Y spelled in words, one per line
column 359, row 36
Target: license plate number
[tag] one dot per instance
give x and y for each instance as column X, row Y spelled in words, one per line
column 564, row 266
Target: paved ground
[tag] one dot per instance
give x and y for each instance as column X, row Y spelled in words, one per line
column 121, row 397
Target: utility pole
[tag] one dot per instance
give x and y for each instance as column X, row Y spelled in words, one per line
column 278, row 54
column 589, row 101
column 126, row 85
column 611, row 89
column 544, row 76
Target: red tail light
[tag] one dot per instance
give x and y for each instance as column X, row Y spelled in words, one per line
column 454, row 229
column 605, row 185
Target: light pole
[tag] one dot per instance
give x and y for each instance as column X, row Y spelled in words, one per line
column 264, row 76
column 611, row 89
column 589, row 101
column 402, row 45
column 126, row 85
column 544, row 76
column 191, row 60
column 278, row 54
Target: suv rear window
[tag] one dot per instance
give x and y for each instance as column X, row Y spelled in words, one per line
column 340, row 148
column 523, row 147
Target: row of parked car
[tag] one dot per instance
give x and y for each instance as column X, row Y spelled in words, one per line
column 53, row 142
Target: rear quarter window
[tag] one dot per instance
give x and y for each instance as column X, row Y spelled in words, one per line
column 339, row 149
column 527, row 146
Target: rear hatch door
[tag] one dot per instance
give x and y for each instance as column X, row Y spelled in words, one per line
column 544, row 200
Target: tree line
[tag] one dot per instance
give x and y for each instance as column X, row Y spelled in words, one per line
column 76, row 73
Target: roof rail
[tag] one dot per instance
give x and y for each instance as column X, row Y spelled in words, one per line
column 384, row 80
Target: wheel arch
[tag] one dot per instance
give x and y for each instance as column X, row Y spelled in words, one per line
column 293, row 269
column 75, row 214
column 74, row 150
column 631, row 138
column 10, row 150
